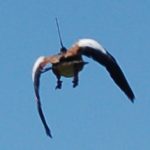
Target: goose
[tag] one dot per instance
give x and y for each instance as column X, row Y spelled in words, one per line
column 69, row 62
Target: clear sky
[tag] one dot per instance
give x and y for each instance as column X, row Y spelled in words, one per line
column 94, row 116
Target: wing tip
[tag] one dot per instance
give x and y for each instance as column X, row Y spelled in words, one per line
column 48, row 132
column 132, row 98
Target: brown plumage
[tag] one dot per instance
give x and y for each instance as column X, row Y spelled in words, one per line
column 69, row 63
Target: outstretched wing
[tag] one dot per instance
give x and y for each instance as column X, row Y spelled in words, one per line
column 36, row 74
column 93, row 49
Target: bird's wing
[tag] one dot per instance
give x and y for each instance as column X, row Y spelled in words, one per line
column 93, row 49
column 36, row 74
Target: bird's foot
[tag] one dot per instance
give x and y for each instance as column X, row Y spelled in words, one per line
column 59, row 85
column 75, row 83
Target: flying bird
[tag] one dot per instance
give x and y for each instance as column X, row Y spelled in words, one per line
column 69, row 62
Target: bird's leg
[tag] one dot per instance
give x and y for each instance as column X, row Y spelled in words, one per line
column 59, row 82
column 58, row 76
column 75, row 80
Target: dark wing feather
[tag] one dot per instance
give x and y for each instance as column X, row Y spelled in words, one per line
column 39, row 107
column 112, row 67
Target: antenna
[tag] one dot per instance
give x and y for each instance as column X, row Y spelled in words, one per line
column 63, row 49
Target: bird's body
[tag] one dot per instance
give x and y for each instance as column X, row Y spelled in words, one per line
column 64, row 65
column 67, row 69
column 69, row 63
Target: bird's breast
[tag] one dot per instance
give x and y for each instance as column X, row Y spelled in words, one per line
column 68, row 69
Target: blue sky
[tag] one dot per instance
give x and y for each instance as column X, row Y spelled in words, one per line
column 96, row 115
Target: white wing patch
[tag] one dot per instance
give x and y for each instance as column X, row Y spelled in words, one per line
column 36, row 66
column 91, row 43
